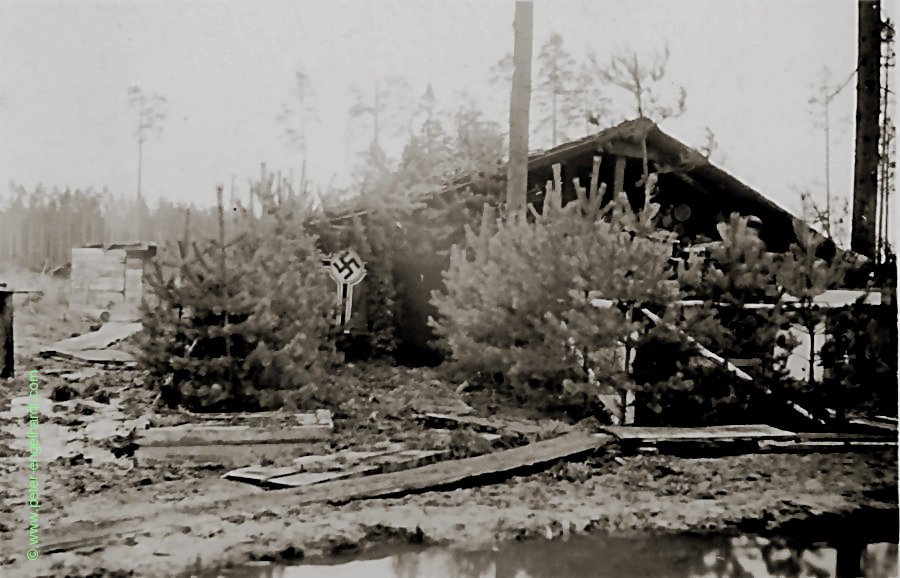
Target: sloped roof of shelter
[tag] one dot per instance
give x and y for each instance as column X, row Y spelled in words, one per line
column 669, row 155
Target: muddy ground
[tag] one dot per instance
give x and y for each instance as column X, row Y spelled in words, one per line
column 121, row 515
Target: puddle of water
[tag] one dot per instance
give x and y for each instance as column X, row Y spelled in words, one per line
column 592, row 556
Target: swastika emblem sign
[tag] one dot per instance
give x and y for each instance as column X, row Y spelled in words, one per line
column 347, row 270
column 346, row 267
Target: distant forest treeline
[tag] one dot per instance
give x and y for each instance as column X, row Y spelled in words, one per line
column 38, row 228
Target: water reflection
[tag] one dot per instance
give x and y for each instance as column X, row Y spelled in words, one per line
column 583, row 556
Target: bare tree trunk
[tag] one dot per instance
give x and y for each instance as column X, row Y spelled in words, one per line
column 519, row 103
column 867, row 131
column 554, row 116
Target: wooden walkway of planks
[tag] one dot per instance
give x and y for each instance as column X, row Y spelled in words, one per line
column 655, row 434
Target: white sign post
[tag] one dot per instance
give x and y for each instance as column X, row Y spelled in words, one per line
column 347, row 270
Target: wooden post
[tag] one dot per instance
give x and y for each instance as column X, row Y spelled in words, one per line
column 619, row 177
column 6, row 334
column 519, row 103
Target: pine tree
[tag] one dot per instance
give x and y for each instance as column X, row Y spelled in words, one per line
column 241, row 322
column 295, row 118
column 556, row 94
column 427, row 157
column 805, row 276
column 517, row 305
column 733, row 273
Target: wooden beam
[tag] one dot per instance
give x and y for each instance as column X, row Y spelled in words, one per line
column 519, row 103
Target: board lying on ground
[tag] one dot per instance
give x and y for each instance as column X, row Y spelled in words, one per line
column 453, row 474
column 223, row 455
column 108, row 334
column 747, row 437
column 319, row 417
column 819, row 446
column 655, row 434
column 494, row 425
column 678, row 439
column 310, row 470
column 317, row 426
column 93, row 347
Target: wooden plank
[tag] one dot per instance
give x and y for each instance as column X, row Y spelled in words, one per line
column 824, row 445
column 310, row 478
column 393, row 459
column 394, row 462
column 258, row 474
column 319, row 417
column 885, row 418
column 833, row 298
column 491, row 437
column 453, row 474
column 338, row 460
column 494, row 425
column 885, row 426
column 103, row 356
column 445, row 420
column 199, row 435
column 408, row 459
column 756, row 431
column 841, row 436
column 108, row 334
column 228, row 455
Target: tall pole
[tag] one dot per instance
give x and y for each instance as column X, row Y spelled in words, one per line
column 519, row 103
column 827, row 169
column 886, row 169
column 865, row 174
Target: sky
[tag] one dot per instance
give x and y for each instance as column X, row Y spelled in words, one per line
column 226, row 68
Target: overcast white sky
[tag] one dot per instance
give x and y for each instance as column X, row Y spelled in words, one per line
column 226, row 67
